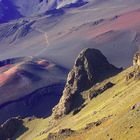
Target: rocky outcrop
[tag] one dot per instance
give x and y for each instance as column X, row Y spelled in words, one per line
column 97, row 123
column 136, row 106
column 136, row 59
column 10, row 128
column 61, row 134
column 90, row 67
column 135, row 73
column 100, row 90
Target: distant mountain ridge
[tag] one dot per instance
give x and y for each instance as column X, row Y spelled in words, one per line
column 10, row 10
column 15, row 9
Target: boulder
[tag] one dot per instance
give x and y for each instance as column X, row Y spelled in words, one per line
column 61, row 134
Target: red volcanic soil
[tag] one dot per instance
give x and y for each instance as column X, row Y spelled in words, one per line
column 126, row 21
column 45, row 63
column 3, row 68
column 5, row 76
column 24, row 77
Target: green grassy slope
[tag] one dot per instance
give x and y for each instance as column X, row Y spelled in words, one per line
column 112, row 108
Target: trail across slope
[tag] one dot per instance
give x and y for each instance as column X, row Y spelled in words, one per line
column 45, row 34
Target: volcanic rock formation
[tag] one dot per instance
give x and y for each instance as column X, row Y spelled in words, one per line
column 90, row 67
column 136, row 59
column 135, row 73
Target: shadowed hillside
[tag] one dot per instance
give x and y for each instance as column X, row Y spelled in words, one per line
column 29, row 87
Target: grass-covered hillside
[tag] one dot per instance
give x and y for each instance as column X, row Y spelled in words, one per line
column 112, row 115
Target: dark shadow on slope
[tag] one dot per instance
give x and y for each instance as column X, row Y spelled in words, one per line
column 21, row 131
column 39, row 103
column 11, row 61
column 55, row 12
column 12, row 128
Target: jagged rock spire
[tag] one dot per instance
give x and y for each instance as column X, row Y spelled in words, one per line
column 90, row 67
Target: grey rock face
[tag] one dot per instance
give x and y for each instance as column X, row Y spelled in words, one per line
column 136, row 59
column 135, row 73
column 90, row 67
